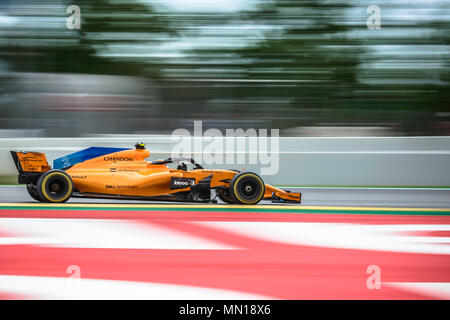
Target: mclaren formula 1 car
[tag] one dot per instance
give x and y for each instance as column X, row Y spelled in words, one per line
column 125, row 174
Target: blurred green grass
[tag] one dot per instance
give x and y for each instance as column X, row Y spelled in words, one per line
column 8, row 180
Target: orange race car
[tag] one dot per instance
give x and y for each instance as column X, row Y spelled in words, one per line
column 125, row 174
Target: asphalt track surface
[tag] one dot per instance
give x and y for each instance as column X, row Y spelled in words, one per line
column 339, row 244
column 376, row 197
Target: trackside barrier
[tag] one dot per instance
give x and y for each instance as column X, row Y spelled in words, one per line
column 347, row 161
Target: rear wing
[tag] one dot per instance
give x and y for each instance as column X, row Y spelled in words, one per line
column 30, row 165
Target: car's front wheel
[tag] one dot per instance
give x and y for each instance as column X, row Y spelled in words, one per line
column 247, row 188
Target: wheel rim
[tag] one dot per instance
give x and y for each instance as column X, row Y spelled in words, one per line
column 57, row 187
column 249, row 189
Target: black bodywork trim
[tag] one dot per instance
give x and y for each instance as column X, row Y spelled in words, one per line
column 202, row 190
column 28, row 177
column 16, row 161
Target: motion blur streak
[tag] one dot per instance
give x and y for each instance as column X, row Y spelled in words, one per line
column 94, row 233
column 355, row 104
column 276, row 264
column 306, row 67
column 61, row 288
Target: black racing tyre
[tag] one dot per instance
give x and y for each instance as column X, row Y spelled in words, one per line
column 32, row 191
column 54, row 186
column 247, row 188
column 224, row 195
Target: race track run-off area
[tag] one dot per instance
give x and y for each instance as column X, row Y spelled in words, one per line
column 155, row 251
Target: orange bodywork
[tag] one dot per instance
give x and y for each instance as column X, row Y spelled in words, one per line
column 127, row 173
column 32, row 162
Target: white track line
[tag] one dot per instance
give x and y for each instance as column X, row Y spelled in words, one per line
column 437, row 290
column 344, row 235
column 87, row 289
column 99, row 233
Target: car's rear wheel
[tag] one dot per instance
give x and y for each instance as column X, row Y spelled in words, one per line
column 224, row 195
column 32, row 191
column 247, row 188
column 54, row 186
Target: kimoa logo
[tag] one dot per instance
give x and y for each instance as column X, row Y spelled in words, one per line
column 183, row 182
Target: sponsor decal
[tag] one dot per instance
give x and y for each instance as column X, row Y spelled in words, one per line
column 110, row 186
column 123, row 170
column 181, row 183
column 126, row 187
column 78, row 177
column 213, row 171
column 118, row 159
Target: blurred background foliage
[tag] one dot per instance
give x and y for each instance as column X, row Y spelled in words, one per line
column 310, row 68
